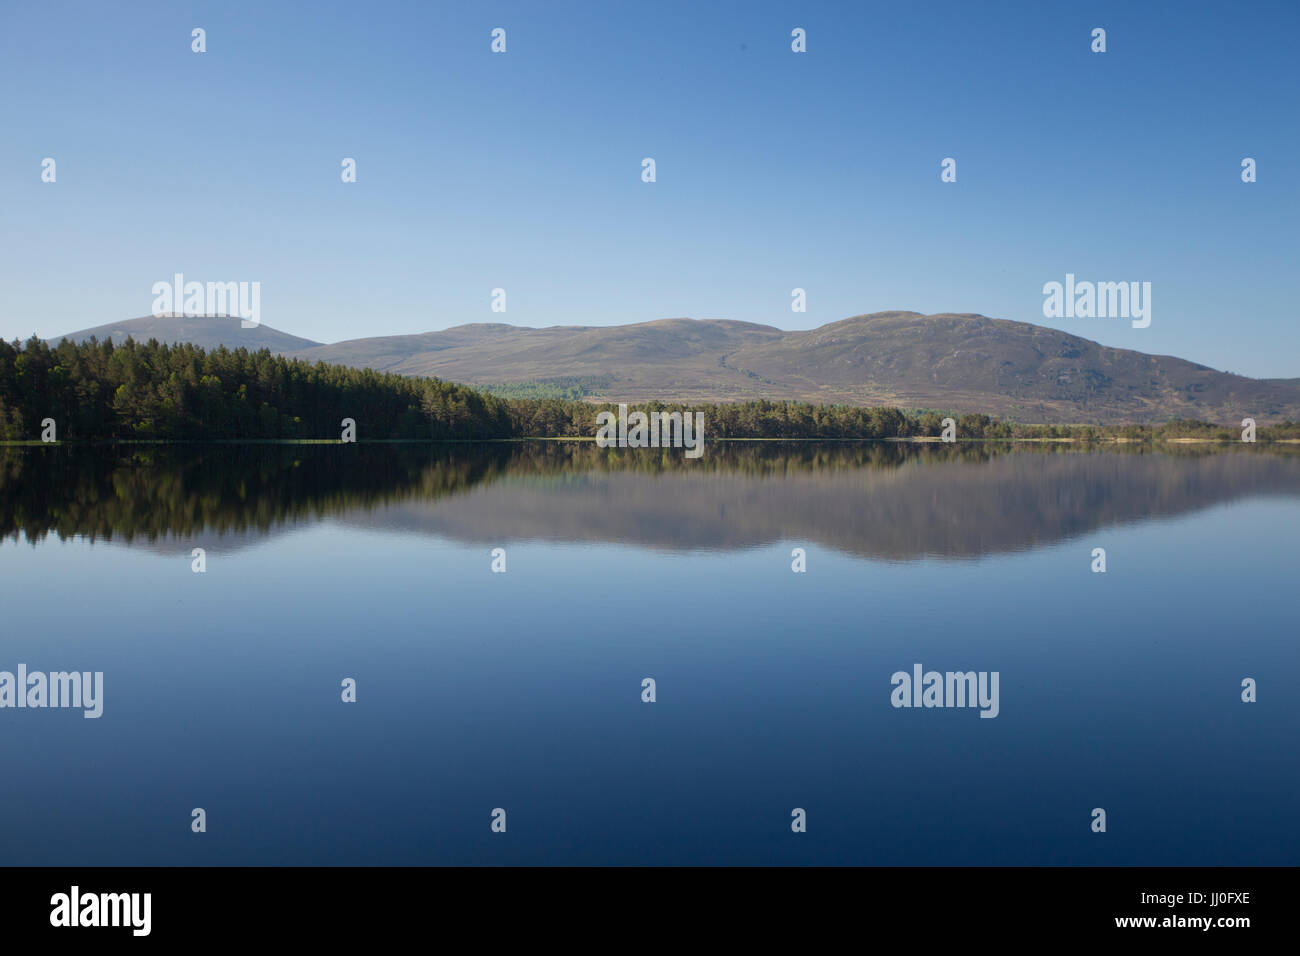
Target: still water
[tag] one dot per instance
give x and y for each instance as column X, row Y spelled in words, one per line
column 522, row 690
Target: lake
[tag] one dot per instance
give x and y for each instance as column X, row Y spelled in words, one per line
column 774, row 690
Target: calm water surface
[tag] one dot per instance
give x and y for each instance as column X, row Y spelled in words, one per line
column 522, row 690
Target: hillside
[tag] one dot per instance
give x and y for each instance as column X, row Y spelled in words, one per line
column 962, row 363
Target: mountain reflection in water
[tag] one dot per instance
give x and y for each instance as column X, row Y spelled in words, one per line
column 872, row 499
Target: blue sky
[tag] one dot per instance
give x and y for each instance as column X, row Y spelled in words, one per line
column 775, row 170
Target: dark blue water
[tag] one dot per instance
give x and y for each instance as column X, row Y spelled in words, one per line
column 522, row 690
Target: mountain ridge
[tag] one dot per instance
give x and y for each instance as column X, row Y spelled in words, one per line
column 962, row 362
column 202, row 330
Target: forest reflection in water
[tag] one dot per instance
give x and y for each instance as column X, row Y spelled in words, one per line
column 879, row 500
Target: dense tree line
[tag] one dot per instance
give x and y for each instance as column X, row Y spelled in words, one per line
column 101, row 390
column 565, row 389
column 98, row 390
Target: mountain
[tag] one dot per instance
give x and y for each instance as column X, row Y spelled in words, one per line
column 209, row 332
column 961, row 363
column 964, row 363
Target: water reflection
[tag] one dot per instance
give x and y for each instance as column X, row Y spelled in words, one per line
column 877, row 500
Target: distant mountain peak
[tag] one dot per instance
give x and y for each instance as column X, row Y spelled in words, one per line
column 208, row 331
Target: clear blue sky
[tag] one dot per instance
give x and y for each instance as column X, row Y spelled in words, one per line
column 775, row 170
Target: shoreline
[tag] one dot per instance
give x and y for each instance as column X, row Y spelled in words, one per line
column 903, row 440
